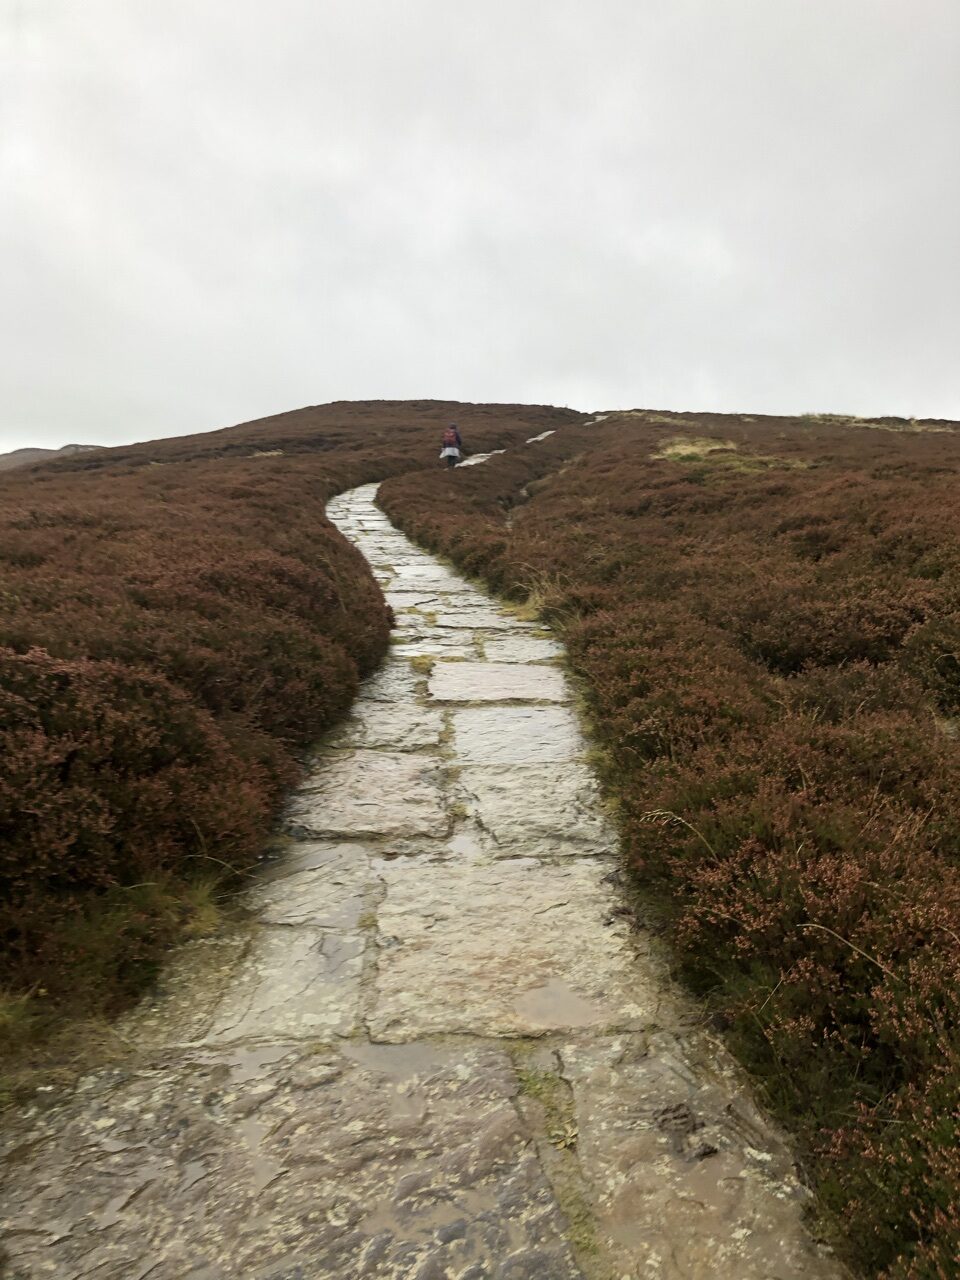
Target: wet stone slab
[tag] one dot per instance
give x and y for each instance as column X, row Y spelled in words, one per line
column 478, row 618
column 516, row 735
column 522, row 648
column 277, row 983
column 182, row 1007
column 426, row 575
column 395, row 682
column 550, row 811
column 504, row 948
column 325, row 888
column 418, row 584
column 293, row 983
column 370, row 793
column 496, row 682
column 278, row 1163
column 691, row 1180
column 403, row 727
column 445, row 646
column 403, row 602
column 336, row 858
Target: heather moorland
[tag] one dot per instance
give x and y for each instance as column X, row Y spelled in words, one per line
column 178, row 622
column 764, row 617
column 765, row 614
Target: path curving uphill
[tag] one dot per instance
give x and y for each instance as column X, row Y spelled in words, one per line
column 440, row 1052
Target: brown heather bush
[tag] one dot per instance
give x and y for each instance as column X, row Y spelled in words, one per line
column 178, row 622
column 770, row 637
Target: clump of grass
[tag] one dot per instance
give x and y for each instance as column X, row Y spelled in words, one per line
column 552, row 1102
column 719, row 456
column 202, row 904
column 692, row 448
column 553, row 1095
column 16, row 1015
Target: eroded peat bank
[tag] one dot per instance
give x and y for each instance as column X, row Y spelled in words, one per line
column 440, row 1051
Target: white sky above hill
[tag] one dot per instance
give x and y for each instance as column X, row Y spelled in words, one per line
column 212, row 210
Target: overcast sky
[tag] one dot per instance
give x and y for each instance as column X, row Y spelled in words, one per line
column 212, row 210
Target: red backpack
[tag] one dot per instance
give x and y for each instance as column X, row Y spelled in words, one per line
column 450, row 438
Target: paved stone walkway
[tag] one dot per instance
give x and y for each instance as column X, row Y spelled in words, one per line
column 439, row 1053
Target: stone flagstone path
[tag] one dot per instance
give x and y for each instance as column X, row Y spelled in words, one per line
column 439, row 1052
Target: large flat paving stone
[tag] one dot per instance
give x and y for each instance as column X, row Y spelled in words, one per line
column 327, row 889
column 689, row 1178
column 294, row 983
column 417, row 584
column 405, row 602
column 426, row 572
column 370, row 793
column 402, row 726
column 301, row 978
column 278, row 1163
column 426, row 567
column 481, row 617
column 516, row 735
column 521, row 648
column 503, row 948
column 551, row 811
column 496, row 682
column 395, row 682
column 449, row 645
column 281, row 983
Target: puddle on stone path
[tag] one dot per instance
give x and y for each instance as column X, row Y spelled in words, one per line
column 556, row 1004
column 398, row 1061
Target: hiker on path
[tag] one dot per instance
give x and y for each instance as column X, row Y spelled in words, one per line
column 452, row 445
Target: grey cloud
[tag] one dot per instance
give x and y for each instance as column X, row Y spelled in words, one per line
column 216, row 210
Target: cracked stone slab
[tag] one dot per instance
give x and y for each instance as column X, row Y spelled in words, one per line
column 333, row 856
column 542, row 810
column 371, row 793
column 404, row 602
column 503, row 948
column 479, row 618
column 687, row 1182
column 496, row 682
column 435, row 646
column 393, row 549
column 293, row 983
column 401, row 726
column 277, row 1162
column 331, row 894
column 439, row 585
column 516, row 735
column 181, row 1008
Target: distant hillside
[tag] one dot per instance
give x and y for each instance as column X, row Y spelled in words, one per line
column 23, row 457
